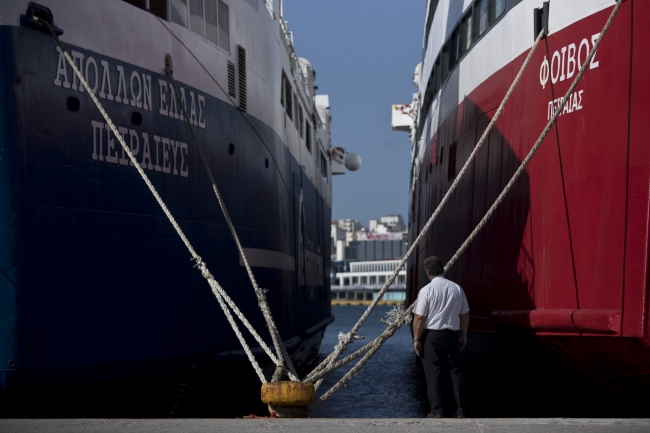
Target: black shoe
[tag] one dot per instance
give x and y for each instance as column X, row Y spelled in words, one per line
column 435, row 415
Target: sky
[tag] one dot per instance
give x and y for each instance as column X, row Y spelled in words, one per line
column 364, row 53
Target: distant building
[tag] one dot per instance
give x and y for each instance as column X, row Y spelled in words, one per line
column 387, row 237
column 363, row 260
column 350, row 225
column 387, row 249
column 387, row 224
column 359, row 282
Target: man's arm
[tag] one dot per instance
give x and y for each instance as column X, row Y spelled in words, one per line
column 464, row 324
column 418, row 326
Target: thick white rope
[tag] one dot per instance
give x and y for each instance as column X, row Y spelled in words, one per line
column 216, row 288
column 280, row 350
column 373, row 346
column 329, row 361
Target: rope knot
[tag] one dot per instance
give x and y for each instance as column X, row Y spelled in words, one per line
column 347, row 339
column 203, row 267
column 261, row 293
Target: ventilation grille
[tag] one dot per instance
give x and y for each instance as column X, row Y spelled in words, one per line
column 451, row 168
column 231, row 79
column 241, row 69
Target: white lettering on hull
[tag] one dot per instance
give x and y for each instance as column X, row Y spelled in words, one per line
column 567, row 59
column 574, row 103
column 132, row 88
column 172, row 153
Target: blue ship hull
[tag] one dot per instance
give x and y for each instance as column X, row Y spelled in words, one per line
column 99, row 302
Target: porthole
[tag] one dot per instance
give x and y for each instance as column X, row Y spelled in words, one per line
column 136, row 119
column 73, row 104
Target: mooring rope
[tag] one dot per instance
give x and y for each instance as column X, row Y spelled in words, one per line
column 330, row 363
column 280, row 350
column 343, row 344
column 403, row 318
column 217, row 290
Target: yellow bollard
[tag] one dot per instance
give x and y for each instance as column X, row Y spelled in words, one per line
column 287, row 393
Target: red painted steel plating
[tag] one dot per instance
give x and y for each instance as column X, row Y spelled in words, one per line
column 567, row 251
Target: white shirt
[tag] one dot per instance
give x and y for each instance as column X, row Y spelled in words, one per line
column 441, row 302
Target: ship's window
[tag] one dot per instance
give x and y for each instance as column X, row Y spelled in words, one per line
column 455, row 52
column 499, row 6
column 178, row 9
column 287, row 97
column 466, row 32
column 231, row 149
column 481, row 16
column 282, row 81
column 442, row 155
column 156, row 7
column 266, row 163
column 432, row 11
column 209, row 18
column 224, row 26
column 295, row 110
column 437, row 80
column 211, row 23
column 196, row 16
column 444, row 62
column 451, row 168
column 368, row 296
column 308, row 136
column 301, row 120
column 323, row 166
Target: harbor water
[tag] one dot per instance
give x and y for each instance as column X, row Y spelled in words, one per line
column 391, row 385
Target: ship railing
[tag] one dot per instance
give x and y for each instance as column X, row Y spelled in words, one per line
column 299, row 74
column 297, row 71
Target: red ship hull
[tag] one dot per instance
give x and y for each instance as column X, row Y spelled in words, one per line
column 564, row 260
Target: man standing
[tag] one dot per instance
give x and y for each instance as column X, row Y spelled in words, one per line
column 442, row 310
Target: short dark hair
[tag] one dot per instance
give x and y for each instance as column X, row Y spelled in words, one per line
column 433, row 266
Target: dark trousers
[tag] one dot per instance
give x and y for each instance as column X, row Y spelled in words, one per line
column 441, row 353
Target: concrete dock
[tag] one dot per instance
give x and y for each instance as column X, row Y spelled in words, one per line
column 381, row 425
